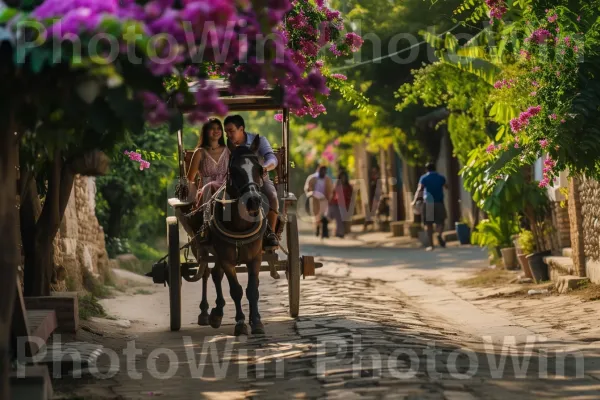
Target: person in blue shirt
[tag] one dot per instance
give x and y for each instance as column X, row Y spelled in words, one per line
column 431, row 192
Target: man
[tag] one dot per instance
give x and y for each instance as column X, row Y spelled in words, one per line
column 320, row 187
column 432, row 186
column 235, row 129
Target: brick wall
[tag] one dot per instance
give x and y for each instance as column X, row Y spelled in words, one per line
column 561, row 220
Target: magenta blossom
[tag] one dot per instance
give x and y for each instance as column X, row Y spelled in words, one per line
column 279, row 117
column 339, row 76
column 543, row 143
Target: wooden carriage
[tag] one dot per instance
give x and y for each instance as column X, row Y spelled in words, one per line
column 288, row 260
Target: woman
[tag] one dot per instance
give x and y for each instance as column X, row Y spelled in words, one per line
column 340, row 202
column 208, row 168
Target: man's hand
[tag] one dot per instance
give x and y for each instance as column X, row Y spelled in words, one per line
column 269, row 166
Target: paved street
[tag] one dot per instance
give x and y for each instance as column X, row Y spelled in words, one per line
column 363, row 333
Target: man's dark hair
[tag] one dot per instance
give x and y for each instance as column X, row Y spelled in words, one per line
column 237, row 120
column 430, row 167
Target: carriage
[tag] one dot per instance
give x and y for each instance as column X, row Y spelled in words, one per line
column 177, row 265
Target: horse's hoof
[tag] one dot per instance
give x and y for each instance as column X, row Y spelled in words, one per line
column 240, row 329
column 258, row 328
column 203, row 320
column 275, row 275
column 215, row 319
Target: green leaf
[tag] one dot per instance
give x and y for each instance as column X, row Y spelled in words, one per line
column 7, row 14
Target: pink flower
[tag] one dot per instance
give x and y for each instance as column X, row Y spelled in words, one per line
column 535, row 84
column 562, row 121
column 491, row 148
column 534, row 93
column 540, row 36
column 552, row 18
column 578, row 18
column 553, row 116
column 536, row 69
column 516, row 145
column 339, row 76
column 544, row 143
column 515, row 125
column 544, row 182
column 279, row 117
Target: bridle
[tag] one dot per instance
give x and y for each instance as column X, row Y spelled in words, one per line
column 240, row 190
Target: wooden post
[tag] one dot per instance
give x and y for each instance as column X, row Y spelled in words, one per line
column 576, row 222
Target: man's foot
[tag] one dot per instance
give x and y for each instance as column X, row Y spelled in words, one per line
column 318, row 231
column 430, row 248
column 442, row 241
column 270, row 241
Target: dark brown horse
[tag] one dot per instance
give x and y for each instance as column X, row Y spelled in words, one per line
column 236, row 233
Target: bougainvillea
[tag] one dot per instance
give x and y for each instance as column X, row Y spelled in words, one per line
column 194, row 40
column 134, row 156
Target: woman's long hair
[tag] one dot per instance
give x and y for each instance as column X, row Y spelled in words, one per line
column 203, row 141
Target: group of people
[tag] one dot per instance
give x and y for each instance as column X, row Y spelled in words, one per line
column 208, row 168
column 329, row 201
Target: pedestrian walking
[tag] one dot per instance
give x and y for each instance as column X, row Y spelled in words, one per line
column 319, row 188
column 340, row 204
column 431, row 192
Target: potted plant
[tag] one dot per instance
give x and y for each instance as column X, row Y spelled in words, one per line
column 463, row 231
column 536, row 210
column 527, row 246
column 495, row 233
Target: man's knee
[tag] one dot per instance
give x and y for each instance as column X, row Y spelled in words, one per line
column 271, row 195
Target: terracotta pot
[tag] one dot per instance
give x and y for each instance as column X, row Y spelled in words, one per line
column 509, row 256
column 525, row 265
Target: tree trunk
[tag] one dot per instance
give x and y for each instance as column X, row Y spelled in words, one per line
column 9, row 250
column 60, row 185
column 114, row 221
column 31, row 208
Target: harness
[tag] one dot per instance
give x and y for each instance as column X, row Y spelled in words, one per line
column 238, row 239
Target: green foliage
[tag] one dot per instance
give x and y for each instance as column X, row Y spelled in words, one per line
column 132, row 204
column 495, row 232
column 464, row 95
column 90, row 307
column 527, row 242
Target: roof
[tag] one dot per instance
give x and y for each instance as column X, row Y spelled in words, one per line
column 265, row 100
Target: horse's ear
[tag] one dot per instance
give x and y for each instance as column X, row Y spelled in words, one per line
column 230, row 145
column 255, row 144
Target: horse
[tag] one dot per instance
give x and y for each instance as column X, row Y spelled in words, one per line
column 237, row 228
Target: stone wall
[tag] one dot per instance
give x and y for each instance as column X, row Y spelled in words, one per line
column 560, row 216
column 79, row 245
column 590, row 210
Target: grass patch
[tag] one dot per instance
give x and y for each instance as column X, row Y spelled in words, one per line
column 143, row 251
column 142, row 291
column 90, row 307
column 488, row 277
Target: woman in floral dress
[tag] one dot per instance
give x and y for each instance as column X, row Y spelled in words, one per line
column 208, row 167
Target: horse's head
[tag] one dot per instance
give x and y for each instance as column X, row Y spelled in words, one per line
column 245, row 176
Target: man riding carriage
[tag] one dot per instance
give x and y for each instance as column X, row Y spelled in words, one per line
column 229, row 216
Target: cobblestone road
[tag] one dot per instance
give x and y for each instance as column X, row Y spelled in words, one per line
column 355, row 339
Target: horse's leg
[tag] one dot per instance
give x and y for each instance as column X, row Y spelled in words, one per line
column 216, row 314
column 253, row 295
column 236, row 292
column 203, row 317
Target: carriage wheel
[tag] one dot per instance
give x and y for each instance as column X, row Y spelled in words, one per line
column 293, row 265
column 174, row 273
